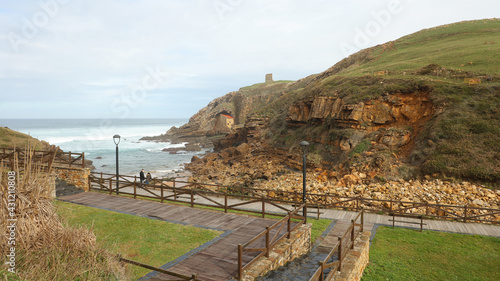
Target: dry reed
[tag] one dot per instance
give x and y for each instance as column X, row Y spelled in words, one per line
column 46, row 249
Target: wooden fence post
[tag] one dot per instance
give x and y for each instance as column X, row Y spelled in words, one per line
column 225, row 202
column 322, row 266
column 110, row 186
column 267, row 242
column 263, row 207
column 69, row 158
column 289, row 226
column 83, row 160
column 135, row 191
column 465, row 213
column 240, row 262
column 192, row 198
column 161, row 192
column 340, row 254
column 352, row 234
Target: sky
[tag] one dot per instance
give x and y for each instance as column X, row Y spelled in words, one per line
column 170, row 58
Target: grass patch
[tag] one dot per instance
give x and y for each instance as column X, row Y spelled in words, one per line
column 152, row 242
column 405, row 254
column 318, row 227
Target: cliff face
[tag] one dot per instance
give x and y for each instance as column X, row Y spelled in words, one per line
column 403, row 114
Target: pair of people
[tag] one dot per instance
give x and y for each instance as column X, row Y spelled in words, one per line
column 145, row 179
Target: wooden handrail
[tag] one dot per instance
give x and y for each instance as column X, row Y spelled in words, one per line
column 339, row 248
column 269, row 243
column 453, row 212
column 193, row 277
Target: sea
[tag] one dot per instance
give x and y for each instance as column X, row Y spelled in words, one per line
column 95, row 138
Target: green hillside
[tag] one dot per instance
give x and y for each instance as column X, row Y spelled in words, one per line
column 460, row 140
column 11, row 138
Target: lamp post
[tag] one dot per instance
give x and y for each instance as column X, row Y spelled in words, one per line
column 304, row 145
column 116, row 140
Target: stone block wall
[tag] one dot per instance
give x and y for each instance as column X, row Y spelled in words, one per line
column 287, row 250
column 78, row 177
column 355, row 262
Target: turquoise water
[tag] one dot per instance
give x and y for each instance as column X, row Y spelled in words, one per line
column 95, row 138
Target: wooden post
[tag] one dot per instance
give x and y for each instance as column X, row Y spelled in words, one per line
column 240, row 262
column 305, row 213
column 69, row 159
column 161, row 192
column 263, row 207
column 393, row 220
column 135, row 191
column 289, row 226
column 173, row 183
column 267, row 241
column 322, row 266
column 83, row 160
column 192, row 198
column 390, row 206
column 362, row 219
column 465, row 213
column 340, row 254
column 352, row 234
column 110, row 186
column 421, row 223
column 225, row 202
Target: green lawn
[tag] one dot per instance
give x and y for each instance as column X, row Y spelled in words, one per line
column 149, row 241
column 405, row 254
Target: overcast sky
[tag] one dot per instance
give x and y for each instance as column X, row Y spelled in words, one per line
column 170, row 58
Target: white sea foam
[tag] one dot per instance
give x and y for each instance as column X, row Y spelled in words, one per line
column 95, row 138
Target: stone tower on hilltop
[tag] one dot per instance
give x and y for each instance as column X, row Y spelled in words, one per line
column 269, row 77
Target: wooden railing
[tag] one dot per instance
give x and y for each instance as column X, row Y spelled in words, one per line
column 48, row 158
column 340, row 251
column 264, row 240
column 191, row 193
column 326, row 201
column 193, row 277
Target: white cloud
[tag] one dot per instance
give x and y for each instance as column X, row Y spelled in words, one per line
column 88, row 51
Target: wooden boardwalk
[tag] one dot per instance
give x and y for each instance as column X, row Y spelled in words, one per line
column 218, row 261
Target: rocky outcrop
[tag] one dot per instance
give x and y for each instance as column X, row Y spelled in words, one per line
column 239, row 105
column 390, row 110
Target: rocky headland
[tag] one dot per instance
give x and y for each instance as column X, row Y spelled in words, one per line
column 382, row 124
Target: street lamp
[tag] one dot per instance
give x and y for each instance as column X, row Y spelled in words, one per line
column 116, row 140
column 304, row 145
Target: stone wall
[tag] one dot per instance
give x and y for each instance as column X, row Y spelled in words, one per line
column 287, row 250
column 78, row 177
column 355, row 262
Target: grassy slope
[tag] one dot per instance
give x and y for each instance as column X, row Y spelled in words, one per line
column 404, row 254
column 11, row 138
column 452, row 46
column 462, row 140
column 152, row 242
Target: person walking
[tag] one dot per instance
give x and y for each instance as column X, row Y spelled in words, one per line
column 148, row 178
column 141, row 176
